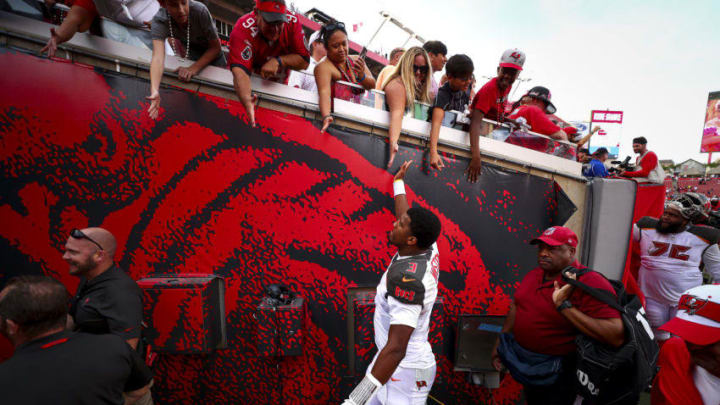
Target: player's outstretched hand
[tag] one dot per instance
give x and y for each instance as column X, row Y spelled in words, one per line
column 400, row 175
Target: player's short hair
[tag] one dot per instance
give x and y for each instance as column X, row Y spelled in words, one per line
column 435, row 47
column 459, row 66
column 36, row 303
column 641, row 140
column 424, row 225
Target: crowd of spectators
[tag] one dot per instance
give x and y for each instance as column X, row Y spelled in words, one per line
column 269, row 42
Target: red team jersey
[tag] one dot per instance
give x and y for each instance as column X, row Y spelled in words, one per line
column 490, row 101
column 535, row 118
column 249, row 50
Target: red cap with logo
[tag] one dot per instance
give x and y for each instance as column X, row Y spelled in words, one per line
column 698, row 317
column 556, row 236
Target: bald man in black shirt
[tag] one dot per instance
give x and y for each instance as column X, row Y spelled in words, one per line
column 107, row 299
column 54, row 366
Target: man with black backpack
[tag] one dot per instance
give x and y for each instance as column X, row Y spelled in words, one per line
column 538, row 341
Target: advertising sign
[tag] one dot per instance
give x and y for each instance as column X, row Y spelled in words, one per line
column 711, row 129
column 610, row 133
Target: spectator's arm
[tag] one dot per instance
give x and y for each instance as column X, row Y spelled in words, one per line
column 157, row 66
column 369, row 82
column 477, row 127
column 559, row 135
column 587, row 137
column 295, row 61
column 78, row 19
column 711, row 258
column 646, row 166
column 323, row 80
column 243, row 89
column 208, row 57
column 436, row 161
column 395, row 98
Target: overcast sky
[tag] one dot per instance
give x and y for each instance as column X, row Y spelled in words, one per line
column 655, row 60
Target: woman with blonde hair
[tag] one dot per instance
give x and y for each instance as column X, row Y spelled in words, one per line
column 410, row 82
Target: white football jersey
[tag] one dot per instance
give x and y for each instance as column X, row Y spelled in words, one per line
column 670, row 263
column 405, row 296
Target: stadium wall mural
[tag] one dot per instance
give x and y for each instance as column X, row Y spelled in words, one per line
column 199, row 191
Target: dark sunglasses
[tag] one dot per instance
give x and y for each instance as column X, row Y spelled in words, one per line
column 334, row 26
column 421, row 69
column 78, row 234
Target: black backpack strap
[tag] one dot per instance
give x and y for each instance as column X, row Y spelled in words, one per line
column 601, row 295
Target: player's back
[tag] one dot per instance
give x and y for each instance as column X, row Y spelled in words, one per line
column 405, row 296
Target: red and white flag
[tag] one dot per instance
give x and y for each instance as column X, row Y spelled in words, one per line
column 356, row 27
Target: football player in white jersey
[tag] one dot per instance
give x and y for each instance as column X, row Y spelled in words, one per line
column 403, row 371
column 672, row 250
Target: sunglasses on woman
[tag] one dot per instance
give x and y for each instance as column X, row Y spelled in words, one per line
column 421, row 69
column 334, row 26
column 78, row 234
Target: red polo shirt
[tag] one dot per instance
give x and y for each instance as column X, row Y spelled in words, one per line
column 490, row 101
column 539, row 327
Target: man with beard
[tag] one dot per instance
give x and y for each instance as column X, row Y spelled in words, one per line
column 403, row 370
column 52, row 365
column 107, row 299
column 671, row 252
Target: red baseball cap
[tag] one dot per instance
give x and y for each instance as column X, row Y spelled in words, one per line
column 556, row 236
column 272, row 11
column 698, row 317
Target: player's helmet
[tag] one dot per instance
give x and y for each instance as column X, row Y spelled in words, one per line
column 692, row 206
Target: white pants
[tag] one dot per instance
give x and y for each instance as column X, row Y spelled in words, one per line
column 407, row 386
column 658, row 313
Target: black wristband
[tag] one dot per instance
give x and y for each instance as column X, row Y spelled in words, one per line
column 564, row 305
column 280, row 64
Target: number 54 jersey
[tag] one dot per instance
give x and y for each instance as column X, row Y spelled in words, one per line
column 670, row 262
column 405, row 296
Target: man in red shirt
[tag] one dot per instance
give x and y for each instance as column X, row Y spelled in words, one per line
column 533, row 113
column 690, row 362
column 267, row 41
column 490, row 102
column 650, row 169
column 547, row 314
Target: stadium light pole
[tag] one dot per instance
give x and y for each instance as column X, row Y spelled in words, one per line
column 387, row 17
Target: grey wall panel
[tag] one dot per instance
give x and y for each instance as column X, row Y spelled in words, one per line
column 609, row 211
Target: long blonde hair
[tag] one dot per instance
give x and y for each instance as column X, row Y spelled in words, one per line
column 406, row 72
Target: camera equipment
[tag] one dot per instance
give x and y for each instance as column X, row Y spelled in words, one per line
column 619, row 165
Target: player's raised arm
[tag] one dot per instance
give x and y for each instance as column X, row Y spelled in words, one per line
column 401, row 204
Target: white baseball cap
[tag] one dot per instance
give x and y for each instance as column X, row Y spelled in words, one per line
column 698, row 317
column 513, row 58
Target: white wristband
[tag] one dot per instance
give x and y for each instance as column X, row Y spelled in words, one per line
column 399, row 187
column 362, row 393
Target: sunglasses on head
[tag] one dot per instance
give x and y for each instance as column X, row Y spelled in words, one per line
column 335, row 26
column 421, row 69
column 78, row 234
